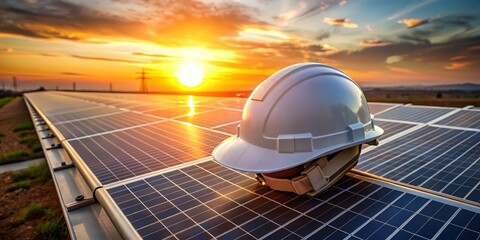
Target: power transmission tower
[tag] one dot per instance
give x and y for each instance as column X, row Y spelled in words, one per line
column 74, row 86
column 143, row 78
column 111, row 87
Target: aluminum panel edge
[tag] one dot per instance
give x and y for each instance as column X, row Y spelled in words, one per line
column 126, row 230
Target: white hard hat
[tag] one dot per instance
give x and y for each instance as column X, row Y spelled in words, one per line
column 297, row 115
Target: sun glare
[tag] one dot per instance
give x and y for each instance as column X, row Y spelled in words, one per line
column 191, row 105
column 190, row 74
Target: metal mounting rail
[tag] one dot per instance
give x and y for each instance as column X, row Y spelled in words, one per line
column 416, row 188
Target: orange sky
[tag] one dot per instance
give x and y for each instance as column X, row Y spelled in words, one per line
column 238, row 44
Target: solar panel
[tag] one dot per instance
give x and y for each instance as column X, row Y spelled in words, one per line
column 392, row 128
column 231, row 128
column 124, row 154
column 440, row 159
column 103, row 124
column 376, row 108
column 210, row 201
column 51, row 103
column 462, row 118
column 414, row 113
column 236, row 103
column 178, row 111
column 213, row 118
column 82, row 114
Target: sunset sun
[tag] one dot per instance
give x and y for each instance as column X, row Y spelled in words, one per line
column 190, row 74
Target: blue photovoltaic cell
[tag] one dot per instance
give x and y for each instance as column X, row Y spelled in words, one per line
column 103, row 124
column 440, row 159
column 463, row 118
column 210, row 201
column 414, row 113
column 392, row 128
column 124, row 154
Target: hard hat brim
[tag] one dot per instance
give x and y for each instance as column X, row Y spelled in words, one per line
column 240, row 155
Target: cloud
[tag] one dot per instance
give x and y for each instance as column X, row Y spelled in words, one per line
column 374, row 42
column 345, row 22
column 410, row 8
column 321, row 36
column 428, row 61
column 474, row 48
column 413, row 22
column 306, row 9
column 155, row 55
column 444, row 21
column 457, row 65
column 49, row 55
column 400, row 70
column 288, row 15
column 106, row 59
column 393, row 59
column 263, row 35
column 415, row 38
column 165, row 22
column 73, row 74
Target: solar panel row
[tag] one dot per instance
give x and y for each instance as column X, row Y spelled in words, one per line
column 210, row 201
column 415, row 113
column 124, row 154
column 462, row 118
column 376, row 108
column 440, row 159
column 392, row 128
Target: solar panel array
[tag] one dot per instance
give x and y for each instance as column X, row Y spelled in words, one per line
column 151, row 154
column 136, row 151
column 415, row 113
column 440, row 159
column 392, row 128
column 210, row 201
column 463, row 118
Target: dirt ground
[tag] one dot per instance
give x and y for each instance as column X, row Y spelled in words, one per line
column 13, row 113
column 12, row 203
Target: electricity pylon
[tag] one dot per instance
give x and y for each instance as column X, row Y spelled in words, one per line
column 143, row 78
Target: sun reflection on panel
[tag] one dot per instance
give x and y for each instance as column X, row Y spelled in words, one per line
column 191, row 105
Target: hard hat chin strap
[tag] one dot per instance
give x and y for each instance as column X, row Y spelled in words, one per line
column 319, row 175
